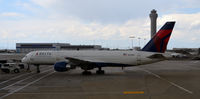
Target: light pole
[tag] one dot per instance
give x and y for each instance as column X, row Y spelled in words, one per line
column 132, row 37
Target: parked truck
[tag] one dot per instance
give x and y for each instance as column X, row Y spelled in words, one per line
column 10, row 68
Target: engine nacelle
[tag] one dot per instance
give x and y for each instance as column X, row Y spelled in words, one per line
column 61, row 66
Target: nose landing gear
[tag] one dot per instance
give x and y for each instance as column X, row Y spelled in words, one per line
column 38, row 68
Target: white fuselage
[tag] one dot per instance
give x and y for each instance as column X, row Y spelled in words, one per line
column 118, row 57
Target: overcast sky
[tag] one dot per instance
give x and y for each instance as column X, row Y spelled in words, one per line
column 109, row 23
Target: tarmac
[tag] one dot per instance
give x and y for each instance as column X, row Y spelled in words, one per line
column 170, row 79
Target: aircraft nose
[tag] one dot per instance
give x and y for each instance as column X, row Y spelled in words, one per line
column 24, row 60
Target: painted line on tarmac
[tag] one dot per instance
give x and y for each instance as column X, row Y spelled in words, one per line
column 133, row 92
column 182, row 88
column 23, row 80
column 82, row 93
column 15, row 77
column 27, row 85
column 195, row 62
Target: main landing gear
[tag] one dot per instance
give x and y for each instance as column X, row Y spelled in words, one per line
column 28, row 68
column 100, row 71
column 85, row 72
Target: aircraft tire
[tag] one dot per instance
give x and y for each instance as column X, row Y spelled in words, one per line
column 100, row 72
column 86, row 73
column 16, row 70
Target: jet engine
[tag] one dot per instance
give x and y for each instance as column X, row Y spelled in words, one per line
column 61, row 66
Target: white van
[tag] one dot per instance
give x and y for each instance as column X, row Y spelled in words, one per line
column 10, row 67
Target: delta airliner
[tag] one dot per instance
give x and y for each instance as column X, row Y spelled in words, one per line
column 87, row 60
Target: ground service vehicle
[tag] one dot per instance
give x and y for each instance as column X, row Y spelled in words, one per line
column 10, row 67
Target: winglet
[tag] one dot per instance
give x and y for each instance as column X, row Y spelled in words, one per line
column 159, row 42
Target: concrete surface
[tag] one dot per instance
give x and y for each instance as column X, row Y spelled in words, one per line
column 162, row 80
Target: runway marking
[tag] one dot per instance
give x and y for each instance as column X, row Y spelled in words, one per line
column 23, row 80
column 182, row 88
column 15, row 78
column 194, row 62
column 26, row 85
column 80, row 93
column 70, row 93
column 133, row 92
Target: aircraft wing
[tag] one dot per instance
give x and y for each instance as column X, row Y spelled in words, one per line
column 75, row 60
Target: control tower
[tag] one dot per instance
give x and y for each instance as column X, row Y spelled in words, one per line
column 153, row 16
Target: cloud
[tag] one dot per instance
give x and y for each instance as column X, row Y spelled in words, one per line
column 192, row 3
column 78, row 22
column 46, row 3
column 105, row 11
column 68, row 30
column 186, row 31
column 11, row 14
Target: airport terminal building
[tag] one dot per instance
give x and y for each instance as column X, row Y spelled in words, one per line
column 28, row 47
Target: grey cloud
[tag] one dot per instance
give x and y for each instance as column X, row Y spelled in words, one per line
column 109, row 10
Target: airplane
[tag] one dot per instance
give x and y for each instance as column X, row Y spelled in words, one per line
column 87, row 60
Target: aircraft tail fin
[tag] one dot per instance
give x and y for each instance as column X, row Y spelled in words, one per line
column 159, row 42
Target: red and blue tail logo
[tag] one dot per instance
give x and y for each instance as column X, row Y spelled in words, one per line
column 159, row 42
